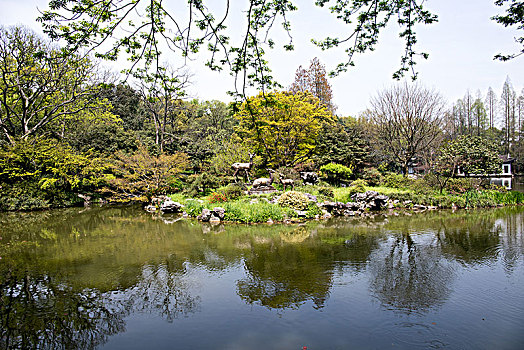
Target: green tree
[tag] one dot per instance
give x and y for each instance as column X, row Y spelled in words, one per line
column 283, row 128
column 470, row 154
column 40, row 172
column 342, row 143
column 94, row 24
column 38, row 85
column 142, row 175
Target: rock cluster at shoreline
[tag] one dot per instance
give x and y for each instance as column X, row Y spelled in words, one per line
column 362, row 205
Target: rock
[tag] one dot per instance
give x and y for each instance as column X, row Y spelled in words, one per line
column 309, row 177
column 419, row 207
column 214, row 220
column 301, row 214
column 270, row 221
column 219, row 212
column 169, row 206
column 185, row 215
column 205, row 215
column 407, row 202
column 157, row 201
column 253, row 201
column 262, row 190
column 431, row 207
column 371, row 200
column 85, row 197
column 150, row 208
column 327, row 216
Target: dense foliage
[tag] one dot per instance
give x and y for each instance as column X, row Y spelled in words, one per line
column 282, row 127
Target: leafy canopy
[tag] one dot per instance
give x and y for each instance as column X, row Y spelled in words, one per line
column 282, row 127
column 143, row 28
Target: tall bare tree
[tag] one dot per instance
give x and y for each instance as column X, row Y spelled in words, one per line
column 507, row 107
column 408, row 118
column 491, row 105
column 161, row 94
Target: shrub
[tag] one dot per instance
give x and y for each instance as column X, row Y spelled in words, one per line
column 194, row 207
column 372, row 176
column 313, row 210
column 459, row 186
column 200, row 185
column 357, row 186
column 396, row 180
column 232, row 191
column 256, row 212
column 335, row 174
column 217, row 197
column 293, row 199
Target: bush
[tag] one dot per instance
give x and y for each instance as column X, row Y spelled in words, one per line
column 194, row 207
column 335, row 174
column 200, row 185
column 313, row 210
column 293, row 199
column 217, row 197
column 232, row 191
column 396, row 180
column 256, row 212
column 372, row 176
column 462, row 185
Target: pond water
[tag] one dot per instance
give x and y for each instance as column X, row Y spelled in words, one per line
column 119, row 278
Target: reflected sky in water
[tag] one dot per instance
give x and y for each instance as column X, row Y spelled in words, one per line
column 119, row 278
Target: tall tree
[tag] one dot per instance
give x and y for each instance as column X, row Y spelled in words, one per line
column 491, row 104
column 38, row 85
column 478, row 111
column 408, row 119
column 472, row 154
column 94, row 24
column 161, row 94
column 314, row 80
column 507, row 107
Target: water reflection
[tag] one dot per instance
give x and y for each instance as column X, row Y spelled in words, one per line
column 410, row 276
column 70, row 279
column 42, row 312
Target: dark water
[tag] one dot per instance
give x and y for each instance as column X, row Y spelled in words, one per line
column 119, row 278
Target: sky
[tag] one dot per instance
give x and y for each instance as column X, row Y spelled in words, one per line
column 461, row 47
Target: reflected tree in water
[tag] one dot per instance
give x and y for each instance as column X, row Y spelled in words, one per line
column 408, row 276
column 287, row 273
column 40, row 312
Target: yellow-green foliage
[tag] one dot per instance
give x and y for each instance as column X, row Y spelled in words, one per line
column 142, row 175
column 283, row 127
column 336, row 173
column 294, row 199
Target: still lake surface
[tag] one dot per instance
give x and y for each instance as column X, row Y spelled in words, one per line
column 119, row 278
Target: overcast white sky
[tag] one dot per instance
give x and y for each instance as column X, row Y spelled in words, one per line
column 461, row 47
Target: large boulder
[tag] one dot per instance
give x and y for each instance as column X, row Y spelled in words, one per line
column 219, row 212
column 205, row 215
column 170, row 206
column 371, row 200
